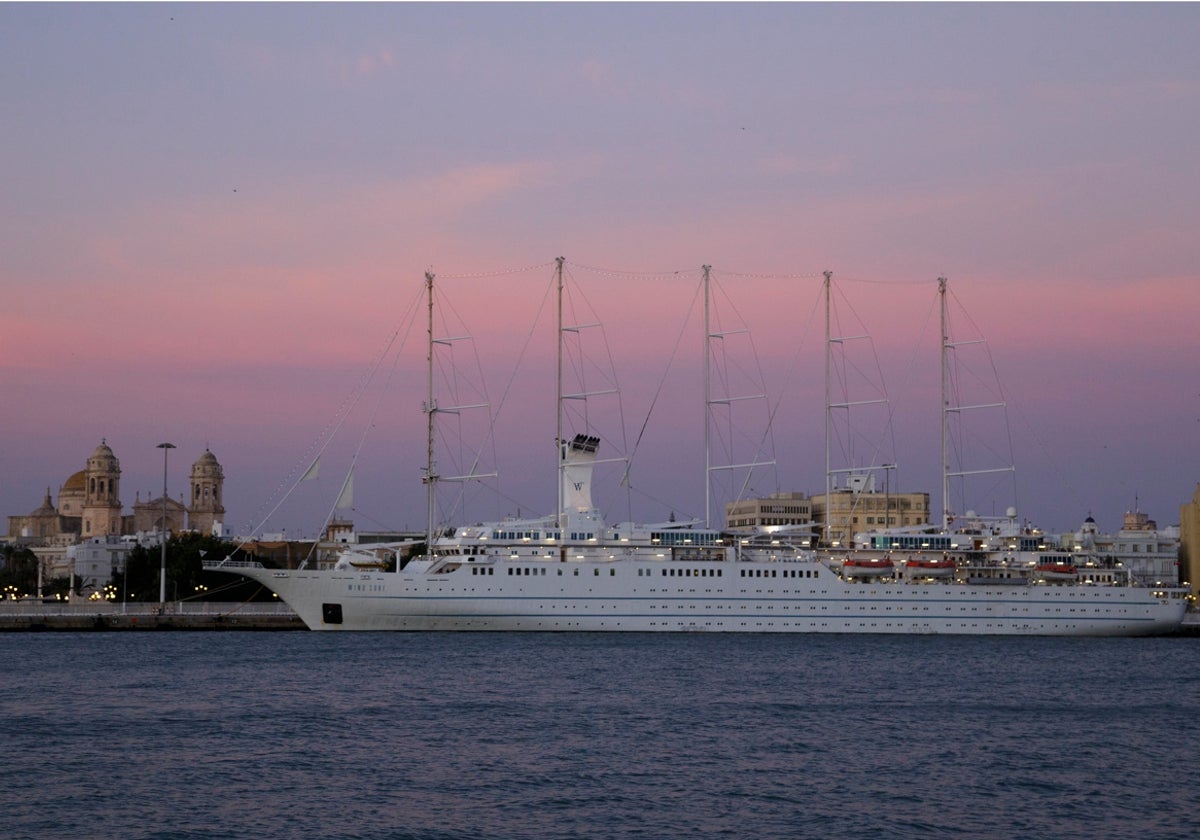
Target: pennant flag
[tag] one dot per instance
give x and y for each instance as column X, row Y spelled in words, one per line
column 346, row 497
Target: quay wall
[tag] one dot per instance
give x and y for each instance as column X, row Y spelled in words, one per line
column 29, row 616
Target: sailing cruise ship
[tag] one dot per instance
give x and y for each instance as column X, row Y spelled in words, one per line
column 572, row 571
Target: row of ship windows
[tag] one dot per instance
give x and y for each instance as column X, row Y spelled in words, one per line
column 683, row 572
column 787, row 573
column 510, row 536
column 527, row 570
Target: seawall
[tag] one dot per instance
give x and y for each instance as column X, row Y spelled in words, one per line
column 25, row 616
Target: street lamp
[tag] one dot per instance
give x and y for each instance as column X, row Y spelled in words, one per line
column 162, row 574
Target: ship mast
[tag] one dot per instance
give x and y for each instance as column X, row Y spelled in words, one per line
column 945, row 408
column 431, row 475
column 708, row 403
column 860, row 477
column 948, row 409
column 828, row 410
column 558, row 434
column 727, row 399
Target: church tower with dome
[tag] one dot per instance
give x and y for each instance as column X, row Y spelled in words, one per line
column 89, row 513
column 206, row 513
column 102, row 498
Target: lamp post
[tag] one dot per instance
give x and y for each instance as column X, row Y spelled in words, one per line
column 162, row 574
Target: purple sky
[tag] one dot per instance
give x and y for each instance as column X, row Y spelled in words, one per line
column 214, row 217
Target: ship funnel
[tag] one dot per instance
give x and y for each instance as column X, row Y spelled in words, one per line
column 578, row 456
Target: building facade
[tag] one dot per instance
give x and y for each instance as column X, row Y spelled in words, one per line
column 846, row 512
column 1151, row 554
column 90, row 513
column 1189, row 541
column 850, row 511
column 792, row 511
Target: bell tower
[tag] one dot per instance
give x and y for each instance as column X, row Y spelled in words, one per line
column 207, row 509
column 102, row 496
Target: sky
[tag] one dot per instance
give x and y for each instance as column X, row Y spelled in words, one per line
column 216, row 219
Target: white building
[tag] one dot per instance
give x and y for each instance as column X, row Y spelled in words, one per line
column 1151, row 554
column 98, row 560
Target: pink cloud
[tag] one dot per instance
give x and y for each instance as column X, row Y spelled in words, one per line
column 601, row 77
column 368, row 65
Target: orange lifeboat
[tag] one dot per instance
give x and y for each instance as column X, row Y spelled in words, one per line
column 920, row 568
column 1057, row 572
column 868, row 568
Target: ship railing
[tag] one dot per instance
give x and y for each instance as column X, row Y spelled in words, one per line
column 232, row 564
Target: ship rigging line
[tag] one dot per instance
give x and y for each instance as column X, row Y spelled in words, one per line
column 343, row 413
column 467, row 473
column 766, row 442
column 489, row 439
column 346, row 484
column 489, row 274
column 792, row 368
column 662, row 380
column 888, row 430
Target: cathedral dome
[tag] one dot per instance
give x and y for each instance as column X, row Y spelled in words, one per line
column 103, row 459
column 206, row 459
column 207, row 465
column 77, row 482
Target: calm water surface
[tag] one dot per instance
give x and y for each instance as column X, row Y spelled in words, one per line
column 263, row 735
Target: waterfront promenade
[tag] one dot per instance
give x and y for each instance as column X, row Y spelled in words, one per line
column 34, row 615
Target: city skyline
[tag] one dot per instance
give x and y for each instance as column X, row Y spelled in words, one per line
column 218, row 215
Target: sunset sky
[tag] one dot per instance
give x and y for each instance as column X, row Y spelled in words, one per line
column 215, row 218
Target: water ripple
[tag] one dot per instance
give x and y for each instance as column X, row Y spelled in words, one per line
column 447, row 737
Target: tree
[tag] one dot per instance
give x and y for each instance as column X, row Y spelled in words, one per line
column 186, row 577
column 60, row 586
column 18, row 570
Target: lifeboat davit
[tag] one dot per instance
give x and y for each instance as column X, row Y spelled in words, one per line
column 868, row 568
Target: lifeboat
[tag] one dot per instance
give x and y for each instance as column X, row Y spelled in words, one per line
column 1057, row 572
column 868, row 568
column 360, row 561
column 918, row 568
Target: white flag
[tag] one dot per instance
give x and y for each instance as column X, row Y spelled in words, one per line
column 346, row 497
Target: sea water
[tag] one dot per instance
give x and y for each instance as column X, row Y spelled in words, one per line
column 322, row 735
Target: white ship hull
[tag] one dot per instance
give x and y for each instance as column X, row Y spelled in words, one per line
column 728, row 597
